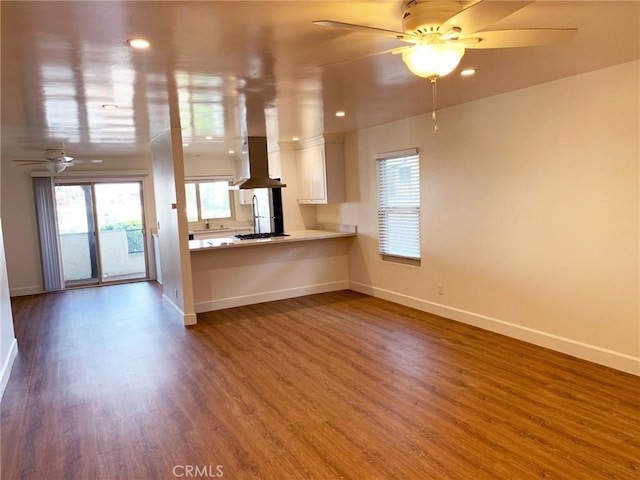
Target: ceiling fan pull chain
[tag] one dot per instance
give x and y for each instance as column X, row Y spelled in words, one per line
column 434, row 116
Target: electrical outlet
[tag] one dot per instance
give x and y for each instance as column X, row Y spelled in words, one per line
column 440, row 289
column 175, row 292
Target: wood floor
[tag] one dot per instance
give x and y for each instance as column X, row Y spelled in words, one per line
column 109, row 385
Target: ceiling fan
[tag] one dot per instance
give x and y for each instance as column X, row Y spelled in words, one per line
column 439, row 31
column 56, row 160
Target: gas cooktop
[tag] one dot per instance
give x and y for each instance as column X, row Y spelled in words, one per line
column 251, row 236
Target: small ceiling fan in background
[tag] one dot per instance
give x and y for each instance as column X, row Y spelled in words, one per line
column 440, row 31
column 56, row 161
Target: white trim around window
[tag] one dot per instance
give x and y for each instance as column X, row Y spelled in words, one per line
column 214, row 203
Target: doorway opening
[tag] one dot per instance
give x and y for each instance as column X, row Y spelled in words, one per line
column 101, row 232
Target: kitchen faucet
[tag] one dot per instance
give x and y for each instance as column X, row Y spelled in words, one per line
column 255, row 211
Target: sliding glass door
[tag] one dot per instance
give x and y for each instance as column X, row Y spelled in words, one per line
column 120, row 231
column 76, row 228
column 101, row 229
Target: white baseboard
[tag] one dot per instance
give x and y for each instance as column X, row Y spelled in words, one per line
column 211, row 305
column 187, row 318
column 592, row 353
column 190, row 319
column 6, row 366
column 22, row 291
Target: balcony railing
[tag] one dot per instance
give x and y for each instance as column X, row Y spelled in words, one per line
column 121, row 254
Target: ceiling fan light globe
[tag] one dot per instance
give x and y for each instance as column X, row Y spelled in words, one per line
column 56, row 167
column 433, row 60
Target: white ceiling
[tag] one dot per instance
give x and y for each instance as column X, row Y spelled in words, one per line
column 62, row 60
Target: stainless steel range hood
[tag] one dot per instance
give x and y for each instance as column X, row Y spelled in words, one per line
column 258, row 167
column 256, row 96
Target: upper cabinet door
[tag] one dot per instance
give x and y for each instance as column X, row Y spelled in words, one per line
column 273, row 154
column 320, row 172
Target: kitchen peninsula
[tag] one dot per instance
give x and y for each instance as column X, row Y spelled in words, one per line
column 297, row 236
column 229, row 272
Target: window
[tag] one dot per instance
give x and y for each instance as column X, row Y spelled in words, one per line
column 207, row 200
column 399, row 207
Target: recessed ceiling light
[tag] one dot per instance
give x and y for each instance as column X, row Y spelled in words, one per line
column 185, row 144
column 468, row 72
column 208, row 137
column 295, row 139
column 138, row 43
column 109, row 106
column 231, row 152
column 340, row 113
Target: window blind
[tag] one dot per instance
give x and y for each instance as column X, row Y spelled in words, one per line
column 399, row 206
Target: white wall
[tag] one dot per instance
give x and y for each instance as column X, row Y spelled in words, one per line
column 8, row 344
column 530, row 214
column 21, row 231
column 203, row 165
column 171, row 211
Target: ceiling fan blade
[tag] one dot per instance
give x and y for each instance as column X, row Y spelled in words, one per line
column 464, row 41
column 480, row 15
column 360, row 57
column 527, row 37
column 30, row 162
column 403, row 37
column 84, row 161
column 400, row 50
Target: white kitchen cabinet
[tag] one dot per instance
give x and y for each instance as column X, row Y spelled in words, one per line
column 242, row 171
column 273, row 154
column 320, row 165
column 245, row 196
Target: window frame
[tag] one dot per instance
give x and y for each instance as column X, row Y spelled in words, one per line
column 383, row 210
column 208, row 179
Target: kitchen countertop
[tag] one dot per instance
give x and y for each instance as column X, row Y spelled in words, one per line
column 294, row 236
